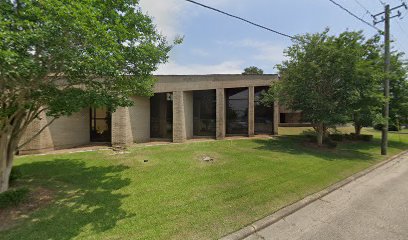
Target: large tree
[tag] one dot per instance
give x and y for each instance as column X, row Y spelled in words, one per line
column 59, row 56
column 398, row 90
column 317, row 78
column 367, row 78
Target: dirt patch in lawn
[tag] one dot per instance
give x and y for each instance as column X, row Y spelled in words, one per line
column 11, row 216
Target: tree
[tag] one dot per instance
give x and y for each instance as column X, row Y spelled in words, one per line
column 61, row 56
column 398, row 90
column 253, row 71
column 317, row 79
column 367, row 78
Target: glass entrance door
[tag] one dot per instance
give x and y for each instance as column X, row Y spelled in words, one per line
column 101, row 122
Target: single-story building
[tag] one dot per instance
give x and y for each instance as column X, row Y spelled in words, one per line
column 183, row 107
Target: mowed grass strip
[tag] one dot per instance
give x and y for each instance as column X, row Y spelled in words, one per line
column 176, row 195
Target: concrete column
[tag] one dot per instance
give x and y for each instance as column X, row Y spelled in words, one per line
column 221, row 113
column 189, row 113
column 251, row 111
column 276, row 118
column 179, row 120
column 121, row 128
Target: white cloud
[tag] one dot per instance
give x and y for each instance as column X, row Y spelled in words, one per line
column 227, row 67
column 169, row 14
column 166, row 15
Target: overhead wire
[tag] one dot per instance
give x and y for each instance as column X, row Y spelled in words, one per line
column 354, row 15
column 243, row 19
column 363, row 7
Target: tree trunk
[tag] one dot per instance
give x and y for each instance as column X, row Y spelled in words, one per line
column 357, row 128
column 10, row 136
column 9, row 140
column 7, row 150
column 320, row 134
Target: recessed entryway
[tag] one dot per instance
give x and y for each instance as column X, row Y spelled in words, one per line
column 161, row 116
column 100, row 125
column 237, row 111
column 204, row 108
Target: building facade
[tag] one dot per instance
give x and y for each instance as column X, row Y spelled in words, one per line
column 182, row 108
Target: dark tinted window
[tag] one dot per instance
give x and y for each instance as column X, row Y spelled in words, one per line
column 237, row 110
column 100, row 125
column 204, row 113
column 263, row 114
column 161, row 115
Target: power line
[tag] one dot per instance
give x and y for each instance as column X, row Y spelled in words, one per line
column 354, row 15
column 243, row 19
column 362, row 6
column 402, row 29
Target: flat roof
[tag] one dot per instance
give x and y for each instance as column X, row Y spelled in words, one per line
column 171, row 83
column 213, row 75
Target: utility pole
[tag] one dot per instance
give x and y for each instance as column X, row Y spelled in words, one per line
column 387, row 55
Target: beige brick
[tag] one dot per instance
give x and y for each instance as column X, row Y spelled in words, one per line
column 251, row 111
column 139, row 118
column 221, row 113
column 179, row 119
column 121, row 127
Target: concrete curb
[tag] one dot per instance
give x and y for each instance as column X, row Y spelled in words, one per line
column 288, row 210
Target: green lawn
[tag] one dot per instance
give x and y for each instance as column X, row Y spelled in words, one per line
column 175, row 195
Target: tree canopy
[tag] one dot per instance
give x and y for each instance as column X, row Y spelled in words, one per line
column 398, row 90
column 253, row 71
column 59, row 56
column 322, row 76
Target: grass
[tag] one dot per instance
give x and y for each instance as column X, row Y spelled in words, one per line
column 175, row 195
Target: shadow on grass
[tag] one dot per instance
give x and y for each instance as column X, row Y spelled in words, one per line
column 86, row 200
column 298, row 145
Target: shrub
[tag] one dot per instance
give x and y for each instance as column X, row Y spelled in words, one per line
column 13, row 197
column 361, row 137
column 336, row 137
column 15, row 174
column 310, row 135
column 366, row 138
column 330, row 143
column 391, row 127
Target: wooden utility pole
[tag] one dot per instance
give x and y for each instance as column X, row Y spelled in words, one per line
column 387, row 55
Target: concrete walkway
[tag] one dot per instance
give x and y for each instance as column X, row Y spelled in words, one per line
column 374, row 206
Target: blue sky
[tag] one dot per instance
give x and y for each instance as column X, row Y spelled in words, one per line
column 215, row 44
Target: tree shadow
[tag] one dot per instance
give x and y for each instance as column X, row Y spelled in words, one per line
column 299, row 145
column 85, row 199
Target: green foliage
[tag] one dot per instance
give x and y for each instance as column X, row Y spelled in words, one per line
column 398, row 90
column 13, row 197
column 316, row 77
column 337, row 137
column 68, row 55
column 253, row 71
column 359, row 137
column 391, row 127
column 367, row 103
column 15, row 174
column 330, row 143
column 59, row 56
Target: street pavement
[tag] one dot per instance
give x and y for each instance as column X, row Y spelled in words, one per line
column 374, row 206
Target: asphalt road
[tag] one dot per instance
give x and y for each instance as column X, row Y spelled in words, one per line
column 372, row 207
